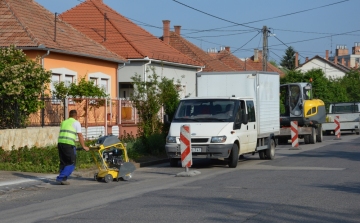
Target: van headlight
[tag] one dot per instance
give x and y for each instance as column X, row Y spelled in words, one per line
column 171, row 139
column 218, row 139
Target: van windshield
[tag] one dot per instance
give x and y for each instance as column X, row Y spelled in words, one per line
column 206, row 110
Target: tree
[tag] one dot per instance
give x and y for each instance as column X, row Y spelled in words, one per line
column 148, row 98
column 22, row 82
column 351, row 82
column 80, row 91
column 288, row 60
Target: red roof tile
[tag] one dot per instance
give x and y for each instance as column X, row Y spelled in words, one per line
column 122, row 36
column 25, row 23
column 232, row 61
column 211, row 64
column 258, row 66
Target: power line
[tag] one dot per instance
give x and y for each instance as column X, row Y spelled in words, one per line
column 214, row 15
column 243, row 24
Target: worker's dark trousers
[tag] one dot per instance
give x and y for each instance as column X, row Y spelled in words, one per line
column 67, row 155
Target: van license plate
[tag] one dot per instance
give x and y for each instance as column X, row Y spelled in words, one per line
column 196, row 150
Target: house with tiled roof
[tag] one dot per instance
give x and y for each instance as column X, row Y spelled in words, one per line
column 225, row 56
column 331, row 69
column 174, row 39
column 256, row 62
column 65, row 51
column 214, row 61
column 143, row 50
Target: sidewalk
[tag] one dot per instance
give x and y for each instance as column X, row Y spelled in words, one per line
column 8, row 178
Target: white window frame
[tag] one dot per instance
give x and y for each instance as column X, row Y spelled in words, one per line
column 101, row 76
column 63, row 73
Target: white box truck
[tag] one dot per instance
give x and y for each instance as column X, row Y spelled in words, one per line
column 348, row 113
column 234, row 113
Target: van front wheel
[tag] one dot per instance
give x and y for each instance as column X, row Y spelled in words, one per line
column 234, row 156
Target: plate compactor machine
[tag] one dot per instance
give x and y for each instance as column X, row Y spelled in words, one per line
column 111, row 158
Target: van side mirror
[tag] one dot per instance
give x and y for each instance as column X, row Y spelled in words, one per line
column 245, row 117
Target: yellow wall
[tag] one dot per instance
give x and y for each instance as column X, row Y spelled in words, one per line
column 81, row 65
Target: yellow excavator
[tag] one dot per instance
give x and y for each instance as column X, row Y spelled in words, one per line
column 297, row 104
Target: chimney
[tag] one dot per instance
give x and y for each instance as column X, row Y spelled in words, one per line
column 256, row 55
column 341, row 50
column 296, row 59
column 177, row 30
column 343, row 61
column 327, row 54
column 227, row 48
column 306, row 59
column 166, row 29
column 356, row 49
column 335, row 59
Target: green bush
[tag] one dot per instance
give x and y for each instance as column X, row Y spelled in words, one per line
column 46, row 160
column 39, row 160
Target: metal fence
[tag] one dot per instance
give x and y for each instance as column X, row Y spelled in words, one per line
column 52, row 113
column 91, row 112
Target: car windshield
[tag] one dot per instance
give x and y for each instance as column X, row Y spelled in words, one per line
column 206, row 110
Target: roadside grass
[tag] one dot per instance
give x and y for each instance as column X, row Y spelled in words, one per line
column 46, row 159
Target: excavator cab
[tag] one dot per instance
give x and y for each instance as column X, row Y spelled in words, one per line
column 297, row 104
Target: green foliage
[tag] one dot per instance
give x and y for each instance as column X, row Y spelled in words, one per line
column 148, row 97
column 351, row 83
column 288, row 60
column 170, row 99
column 328, row 89
column 22, row 82
column 39, row 160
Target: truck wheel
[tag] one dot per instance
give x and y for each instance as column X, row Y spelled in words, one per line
column 307, row 139
column 262, row 154
column 234, row 156
column 270, row 153
column 319, row 135
column 313, row 136
column 174, row 162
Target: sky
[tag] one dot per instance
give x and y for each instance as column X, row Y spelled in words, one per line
column 309, row 26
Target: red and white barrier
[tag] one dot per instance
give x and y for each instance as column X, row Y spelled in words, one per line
column 185, row 146
column 337, row 127
column 294, row 134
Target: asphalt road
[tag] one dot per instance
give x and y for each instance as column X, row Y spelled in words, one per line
column 316, row 183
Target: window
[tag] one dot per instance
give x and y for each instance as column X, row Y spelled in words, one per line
column 102, row 81
column 69, row 79
column 55, row 78
column 62, row 74
column 94, row 80
column 251, row 111
column 104, row 85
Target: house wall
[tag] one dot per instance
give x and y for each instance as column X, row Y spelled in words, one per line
column 329, row 71
column 80, row 65
column 187, row 76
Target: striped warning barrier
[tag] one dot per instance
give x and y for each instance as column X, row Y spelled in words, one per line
column 294, row 134
column 337, row 127
column 185, row 146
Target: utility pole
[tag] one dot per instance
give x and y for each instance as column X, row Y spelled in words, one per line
column 265, row 48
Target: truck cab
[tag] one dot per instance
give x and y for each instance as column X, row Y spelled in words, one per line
column 216, row 125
